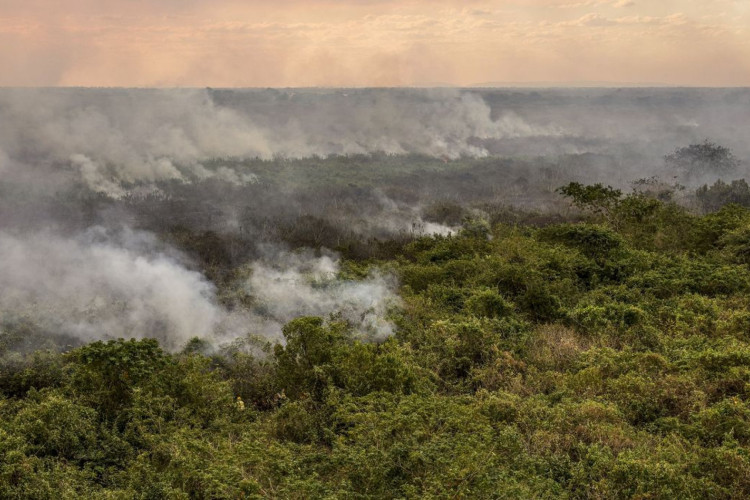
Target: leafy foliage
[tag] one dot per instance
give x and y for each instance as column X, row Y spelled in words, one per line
column 608, row 358
column 697, row 160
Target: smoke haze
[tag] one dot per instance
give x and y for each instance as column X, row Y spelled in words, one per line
column 287, row 285
column 114, row 204
column 90, row 288
column 121, row 137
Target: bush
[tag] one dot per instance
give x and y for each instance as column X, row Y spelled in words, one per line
column 108, row 372
column 595, row 242
column 55, row 426
column 488, row 304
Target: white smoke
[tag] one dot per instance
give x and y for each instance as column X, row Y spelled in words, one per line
column 100, row 285
column 127, row 137
column 94, row 289
column 122, row 137
column 290, row 285
column 443, row 123
column 4, row 161
column 395, row 218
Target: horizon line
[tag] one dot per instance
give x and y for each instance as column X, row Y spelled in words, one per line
column 478, row 86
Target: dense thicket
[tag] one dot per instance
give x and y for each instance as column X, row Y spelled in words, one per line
column 607, row 357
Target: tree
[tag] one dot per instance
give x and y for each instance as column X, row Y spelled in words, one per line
column 596, row 198
column 698, row 160
column 108, row 372
column 720, row 193
column 305, row 365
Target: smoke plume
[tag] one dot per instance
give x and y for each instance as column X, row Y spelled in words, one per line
column 288, row 285
column 100, row 285
column 117, row 138
column 80, row 166
column 91, row 287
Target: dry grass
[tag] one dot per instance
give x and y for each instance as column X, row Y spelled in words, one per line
column 555, row 347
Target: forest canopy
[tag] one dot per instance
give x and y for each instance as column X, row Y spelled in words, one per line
column 604, row 356
column 374, row 293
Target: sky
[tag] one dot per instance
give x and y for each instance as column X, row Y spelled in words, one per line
column 335, row 43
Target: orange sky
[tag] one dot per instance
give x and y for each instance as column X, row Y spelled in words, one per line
column 280, row 43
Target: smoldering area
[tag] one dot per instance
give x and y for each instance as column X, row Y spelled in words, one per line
column 225, row 213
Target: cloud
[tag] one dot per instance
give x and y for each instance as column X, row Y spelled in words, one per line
column 595, row 3
column 595, row 20
column 333, row 43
